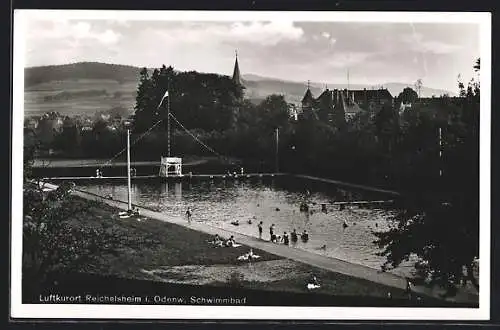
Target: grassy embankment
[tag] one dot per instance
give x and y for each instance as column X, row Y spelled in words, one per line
column 163, row 258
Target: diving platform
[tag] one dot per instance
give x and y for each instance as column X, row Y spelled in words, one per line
column 171, row 167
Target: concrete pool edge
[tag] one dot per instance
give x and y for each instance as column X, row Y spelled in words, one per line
column 345, row 184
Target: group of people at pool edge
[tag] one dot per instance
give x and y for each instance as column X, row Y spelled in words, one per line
column 285, row 239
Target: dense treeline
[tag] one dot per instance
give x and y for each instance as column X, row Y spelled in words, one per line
column 70, row 95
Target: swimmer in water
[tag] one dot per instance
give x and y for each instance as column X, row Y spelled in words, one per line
column 304, row 236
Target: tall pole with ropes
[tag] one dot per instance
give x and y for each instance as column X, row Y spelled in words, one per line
column 277, row 149
column 168, row 119
column 440, row 152
column 129, row 180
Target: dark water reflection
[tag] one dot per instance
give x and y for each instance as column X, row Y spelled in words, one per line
column 221, row 202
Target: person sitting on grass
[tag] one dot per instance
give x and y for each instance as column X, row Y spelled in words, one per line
column 217, row 241
column 230, row 242
column 313, row 283
column 274, row 238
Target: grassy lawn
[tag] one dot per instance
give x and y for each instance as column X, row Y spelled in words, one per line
column 151, row 243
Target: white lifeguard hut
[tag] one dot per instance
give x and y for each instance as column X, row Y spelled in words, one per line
column 171, row 167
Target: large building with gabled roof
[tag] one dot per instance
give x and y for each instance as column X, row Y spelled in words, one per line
column 350, row 102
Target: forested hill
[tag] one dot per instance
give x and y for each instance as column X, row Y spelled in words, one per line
column 82, row 70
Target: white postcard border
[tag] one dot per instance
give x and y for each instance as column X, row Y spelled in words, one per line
column 49, row 311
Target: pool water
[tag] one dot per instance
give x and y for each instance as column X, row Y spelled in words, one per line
column 276, row 201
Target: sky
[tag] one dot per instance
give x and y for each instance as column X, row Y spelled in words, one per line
column 373, row 53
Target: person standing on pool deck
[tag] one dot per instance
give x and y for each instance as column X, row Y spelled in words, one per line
column 294, row 236
column 285, row 238
column 271, row 232
column 408, row 288
column 260, row 229
column 188, row 214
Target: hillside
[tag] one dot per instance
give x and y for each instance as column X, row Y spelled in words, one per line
column 88, row 87
column 83, row 70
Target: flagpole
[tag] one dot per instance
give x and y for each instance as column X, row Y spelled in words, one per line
column 440, row 153
column 168, row 123
column 129, row 180
column 277, row 150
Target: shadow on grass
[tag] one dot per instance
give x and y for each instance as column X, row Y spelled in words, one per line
column 96, row 285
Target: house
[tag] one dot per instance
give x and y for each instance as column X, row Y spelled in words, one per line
column 293, row 111
column 403, row 106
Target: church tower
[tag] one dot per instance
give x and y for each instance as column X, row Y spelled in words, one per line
column 236, row 73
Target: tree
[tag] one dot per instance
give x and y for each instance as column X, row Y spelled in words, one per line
column 274, row 111
column 418, row 86
column 387, row 125
column 408, row 95
column 441, row 226
column 206, row 101
column 477, row 65
column 52, row 243
column 143, row 106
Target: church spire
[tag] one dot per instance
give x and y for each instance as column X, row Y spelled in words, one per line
column 236, row 72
